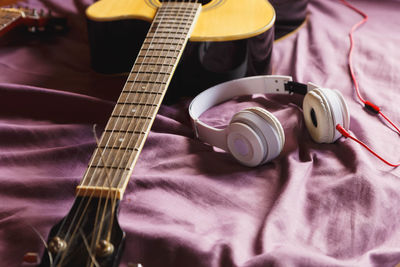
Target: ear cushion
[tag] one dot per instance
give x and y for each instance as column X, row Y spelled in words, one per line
column 258, row 133
column 323, row 109
column 272, row 120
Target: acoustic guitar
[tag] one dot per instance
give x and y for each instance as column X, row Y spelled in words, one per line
column 90, row 234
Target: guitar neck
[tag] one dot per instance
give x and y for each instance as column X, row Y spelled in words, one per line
column 113, row 161
column 8, row 19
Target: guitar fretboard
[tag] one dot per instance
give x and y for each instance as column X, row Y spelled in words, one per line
column 7, row 18
column 126, row 131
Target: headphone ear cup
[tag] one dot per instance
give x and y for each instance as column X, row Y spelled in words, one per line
column 273, row 121
column 323, row 109
column 255, row 136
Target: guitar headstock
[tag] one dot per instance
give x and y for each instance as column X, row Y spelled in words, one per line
column 36, row 20
column 88, row 236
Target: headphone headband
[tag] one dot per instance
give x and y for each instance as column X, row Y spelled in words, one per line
column 267, row 84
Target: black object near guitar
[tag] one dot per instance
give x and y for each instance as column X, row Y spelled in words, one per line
column 90, row 234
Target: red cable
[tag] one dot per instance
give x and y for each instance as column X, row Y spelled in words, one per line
column 347, row 134
column 367, row 104
column 372, row 107
column 353, row 29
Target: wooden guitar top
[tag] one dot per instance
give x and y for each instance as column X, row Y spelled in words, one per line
column 219, row 20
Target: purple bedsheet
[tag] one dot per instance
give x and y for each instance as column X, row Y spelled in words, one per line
column 187, row 204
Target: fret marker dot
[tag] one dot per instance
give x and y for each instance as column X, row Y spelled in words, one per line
column 121, row 139
column 143, row 87
column 134, row 110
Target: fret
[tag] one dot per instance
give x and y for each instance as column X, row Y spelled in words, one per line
column 159, row 53
column 105, row 177
column 131, row 116
column 143, row 98
column 157, row 26
column 165, row 17
column 143, row 92
column 162, row 56
column 166, row 35
column 156, row 60
column 129, row 149
column 122, row 140
column 176, row 13
column 127, row 129
column 177, row 10
column 109, row 158
column 151, row 71
column 155, row 78
column 124, row 124
column 160, row 46
column 134, row 84
column 173, row 14
column 164, row 69
column 138, row 104
column 180, row 5
column 121, row 131
column 176, row 30
column 146, row 81
column 173, row 22
column 175, row 44
column 109, row 167
column 136, row 108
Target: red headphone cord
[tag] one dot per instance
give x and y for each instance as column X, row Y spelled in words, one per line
column 367, row 104
column 348, row 135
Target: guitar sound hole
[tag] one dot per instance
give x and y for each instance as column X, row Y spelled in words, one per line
column 203, row 2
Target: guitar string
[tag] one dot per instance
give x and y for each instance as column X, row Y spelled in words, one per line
column 80, row 204
column 100, row 225
column 165, row 48
column 156, row 90
column 152, row 89
column 91, row 256
column 78, row 210
column 108, row 197
column 96, row 240
column 93, row 259
column 89, row 251
column 103, row 159
column 150, row 98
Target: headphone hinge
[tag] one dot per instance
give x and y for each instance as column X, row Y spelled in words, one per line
column 296, row 88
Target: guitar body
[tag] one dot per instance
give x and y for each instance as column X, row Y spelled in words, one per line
column 225, row 44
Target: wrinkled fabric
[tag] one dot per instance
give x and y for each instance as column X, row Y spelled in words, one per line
column 188, row 204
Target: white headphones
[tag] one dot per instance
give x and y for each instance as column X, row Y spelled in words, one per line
column 254, row 136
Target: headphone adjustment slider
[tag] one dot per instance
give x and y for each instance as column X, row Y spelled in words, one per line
column 296, row 88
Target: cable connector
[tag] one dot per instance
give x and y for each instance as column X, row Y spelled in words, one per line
column 372, row 107
column 342, row 130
